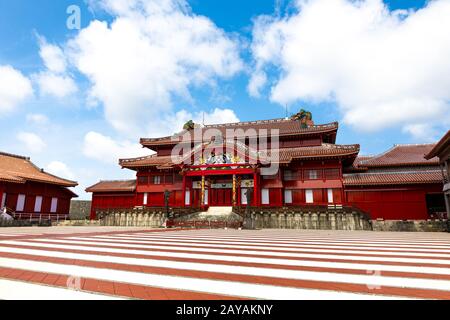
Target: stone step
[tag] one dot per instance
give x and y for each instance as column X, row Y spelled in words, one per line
column 218, row 211
column 213, row 214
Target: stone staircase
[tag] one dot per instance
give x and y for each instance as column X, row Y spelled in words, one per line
column 214, row 214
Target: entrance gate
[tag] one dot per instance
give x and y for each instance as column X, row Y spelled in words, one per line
column 221, row 197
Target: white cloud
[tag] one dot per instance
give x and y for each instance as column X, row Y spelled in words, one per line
column 55, row 80
column 14, row 89
column 107, row 150
column 217, row 116
column 60, row 169
column 422, row 132
column 173, row 122
column 55, row 85
column 37, row 119
column 257, row 81
column 32, row 142
column 150, row 53
column 53, row 57
column 382, row 68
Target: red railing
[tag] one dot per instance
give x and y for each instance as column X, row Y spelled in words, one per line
column 39, row 217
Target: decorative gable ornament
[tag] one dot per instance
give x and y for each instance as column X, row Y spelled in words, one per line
column 305, row 118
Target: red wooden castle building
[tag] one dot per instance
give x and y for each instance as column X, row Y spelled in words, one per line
column 275, row 163
column 28, row 191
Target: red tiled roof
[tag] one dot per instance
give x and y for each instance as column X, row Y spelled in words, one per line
column 286, row 127
column 18, row 169
column 286, row 155
column 150, row 161
column 113, row 186
column 323, row 151
column 440, row 146
column 393, row 178
column 401, row 155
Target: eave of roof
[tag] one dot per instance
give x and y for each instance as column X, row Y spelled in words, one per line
column 285, row 155
column 401, row 155
column 113, row 186
column 439, row 147
column 19, row 169
column 289, row 130
column 393, row 178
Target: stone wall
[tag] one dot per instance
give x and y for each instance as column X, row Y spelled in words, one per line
column 80, row 209
column 138, row 217
column 307, row 220
column 271, row 218
column 412, row 226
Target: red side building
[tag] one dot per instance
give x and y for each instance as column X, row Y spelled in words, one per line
column 399, row 184
column 442, row 151
column 26, row 189
column 203, row 169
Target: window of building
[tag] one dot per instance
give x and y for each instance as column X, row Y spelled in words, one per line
column 332, row 174
column 168, row 179
column 330, row 196
column 157, row 180
column 3, row 203
column 187, row 198
column 54, row 205
column 143, row 180
column 313, row 174
column 265, row 199
column 271, row 177
column 290, row 175
column 309, row 196
column 288, row 196
column 206, row 197
column 244, row 196
column 38, row 204
column 145, row 199
column 20, row 203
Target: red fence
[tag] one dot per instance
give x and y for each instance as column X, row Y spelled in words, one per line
column 37, row 217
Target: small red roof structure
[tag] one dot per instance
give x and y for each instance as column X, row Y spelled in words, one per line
column 19, row 169
column 393, row 178
column 113, row 186
column 397, row 166
column 439, row 147
column 402, row 155
column 286, row 127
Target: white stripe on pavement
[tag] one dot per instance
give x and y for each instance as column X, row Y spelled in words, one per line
column 18, row 290
column 229, row 288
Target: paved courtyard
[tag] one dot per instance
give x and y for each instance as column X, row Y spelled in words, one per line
column 133, row 263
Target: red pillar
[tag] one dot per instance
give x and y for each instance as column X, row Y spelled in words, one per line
column 184, row 192
column 256, row 191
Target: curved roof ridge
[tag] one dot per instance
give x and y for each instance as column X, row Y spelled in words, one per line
column 377, row 156
column 19, row 169
column 118, row 180
column 400, row 154
column 138, row 158
column 14, row 156
column 413, row 144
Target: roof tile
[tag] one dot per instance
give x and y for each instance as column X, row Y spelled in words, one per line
column 285, row 127
column 113, row 186
column 401, row 155
column 393, row 178
column 18, row 169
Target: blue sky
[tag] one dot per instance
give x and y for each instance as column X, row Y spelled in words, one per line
column 73, row 114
